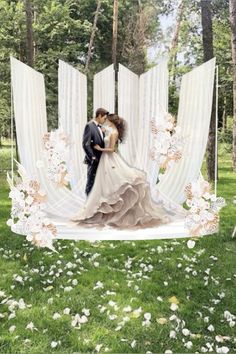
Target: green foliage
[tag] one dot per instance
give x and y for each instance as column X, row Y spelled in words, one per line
column 62, row 30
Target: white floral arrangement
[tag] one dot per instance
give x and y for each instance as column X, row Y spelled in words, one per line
column 56, row 148
column 27, row 212
column 203, row 213
column 166, row 141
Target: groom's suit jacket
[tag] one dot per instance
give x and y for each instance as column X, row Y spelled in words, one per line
column 91, row 137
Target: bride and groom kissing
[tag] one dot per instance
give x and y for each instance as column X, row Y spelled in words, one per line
column 118, row 195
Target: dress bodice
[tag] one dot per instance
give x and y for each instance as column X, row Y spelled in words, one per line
column 108, row 133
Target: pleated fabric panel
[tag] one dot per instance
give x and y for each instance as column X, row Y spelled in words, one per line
column 72, row 108
column 104, row 89
column 194, row 114
column 128, row 108
column 31, row 124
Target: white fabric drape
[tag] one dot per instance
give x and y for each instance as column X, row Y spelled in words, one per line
column 30, row 113
column 104, row 89
column 31, row 125
column 194, row 116
column 128, row 108
column 72, row 104
column 153, row 105
column 140, row 100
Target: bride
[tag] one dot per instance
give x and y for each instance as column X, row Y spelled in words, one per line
column 120, row 196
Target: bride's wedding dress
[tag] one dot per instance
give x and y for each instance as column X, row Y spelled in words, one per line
column 120, row 196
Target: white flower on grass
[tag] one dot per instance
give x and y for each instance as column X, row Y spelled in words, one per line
column 77, row 320
column 99, row 285
column 211, row 328
column 102, row 309
column 66, row 311
column 18, row 278
column 68, row 289
column 31, row 326
column 86, row 312
column 188, row 345
column 172, row 334
column 191, row 244
column 159, row 298
column 12, row 329
column 185, row 332
column 147, row 316
column 133, row 344
column 98, row 347
column 147, row 319
column 83, row 319
column 168, row 351
column 12, row 315
column 174, row 307
column 229, row 316
column 56, row 316
column 21, row 304
column 137, row 312
column 222, row 350
column 54, row 344
column 74, row 282
column 112, row 317
column 127, row 309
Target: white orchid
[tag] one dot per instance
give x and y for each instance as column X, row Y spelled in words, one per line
column 56, row 145
column 27, row 215
column 202, row 215
column 166, row 142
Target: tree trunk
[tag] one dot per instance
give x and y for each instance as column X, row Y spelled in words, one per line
column 92, row 35
column 29, row 27
column 232, row 15
column 174, row 43
column 224, row 114
column 207, row 37
column 114, row 35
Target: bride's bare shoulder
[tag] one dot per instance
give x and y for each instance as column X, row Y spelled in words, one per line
column 115, row 132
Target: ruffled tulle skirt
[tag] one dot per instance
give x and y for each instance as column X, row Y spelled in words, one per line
column 120, row 197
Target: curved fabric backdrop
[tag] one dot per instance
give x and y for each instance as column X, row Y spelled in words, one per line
column 141, row 95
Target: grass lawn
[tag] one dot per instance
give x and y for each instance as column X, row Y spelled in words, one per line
column 131, row 297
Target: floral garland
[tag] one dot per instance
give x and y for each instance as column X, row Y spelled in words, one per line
column 203, row 213
column 166, row 142
column 27, row 215
column 56, row 147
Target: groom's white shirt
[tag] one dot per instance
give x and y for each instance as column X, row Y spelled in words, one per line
column 100, row 130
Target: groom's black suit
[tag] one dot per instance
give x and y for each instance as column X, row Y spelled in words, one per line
column 91, row 137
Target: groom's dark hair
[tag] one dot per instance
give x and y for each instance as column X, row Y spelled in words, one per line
column 101, row 111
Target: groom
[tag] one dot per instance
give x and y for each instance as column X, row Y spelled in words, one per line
column 93, row 135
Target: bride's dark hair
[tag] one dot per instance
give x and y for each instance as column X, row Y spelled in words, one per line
column 120, row 124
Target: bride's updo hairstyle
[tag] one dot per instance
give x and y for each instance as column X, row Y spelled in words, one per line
column 120, row 124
